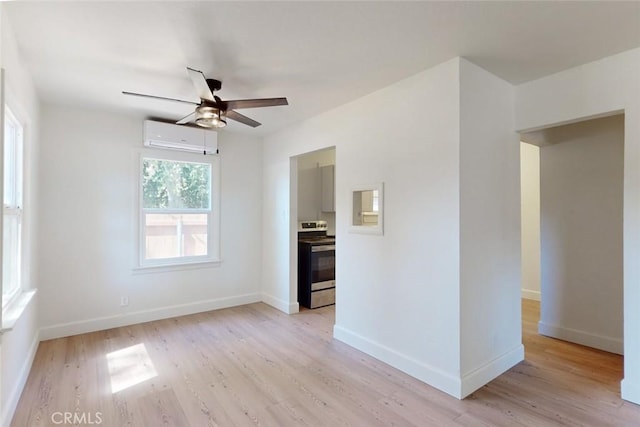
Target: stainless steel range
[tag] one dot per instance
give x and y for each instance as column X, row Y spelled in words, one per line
column 316, row 265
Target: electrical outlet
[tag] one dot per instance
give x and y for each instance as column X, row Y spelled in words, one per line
column 124, row 301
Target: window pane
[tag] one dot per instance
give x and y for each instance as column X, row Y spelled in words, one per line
column 175, row 235
column 11, row 256
column 10, row 138
column 12, row 195
column 175, row 185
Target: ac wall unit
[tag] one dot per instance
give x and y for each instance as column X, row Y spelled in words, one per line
column 183, row 138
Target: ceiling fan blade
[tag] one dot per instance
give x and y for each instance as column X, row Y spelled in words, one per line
column 200, row 82
column 234, row 115
column 186, row 119
column 255, row 103
column 160, row 97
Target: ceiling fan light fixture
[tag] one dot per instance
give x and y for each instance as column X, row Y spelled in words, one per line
column 210, row 117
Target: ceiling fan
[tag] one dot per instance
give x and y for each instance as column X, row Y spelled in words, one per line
column 211, row 111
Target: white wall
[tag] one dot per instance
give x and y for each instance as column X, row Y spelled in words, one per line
column 397, row 297
column 581, row 225
column 438, row 295
column 20, row 343
column 87, row 244
column 608, row 85
column 530, row 213
column 490, row 341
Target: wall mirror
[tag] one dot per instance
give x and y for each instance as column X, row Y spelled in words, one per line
column 367, row 209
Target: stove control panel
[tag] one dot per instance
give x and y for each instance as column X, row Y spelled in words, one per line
column 312, row 225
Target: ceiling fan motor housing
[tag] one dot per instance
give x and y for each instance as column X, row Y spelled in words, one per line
column 214, row 84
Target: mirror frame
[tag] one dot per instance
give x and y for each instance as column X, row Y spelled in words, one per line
column 368, row 229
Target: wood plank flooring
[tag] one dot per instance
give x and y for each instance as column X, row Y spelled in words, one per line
column 255, row 366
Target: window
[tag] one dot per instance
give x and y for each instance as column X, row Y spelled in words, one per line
column 179, row 209
column 375, row 200
column 12, row 219
column 367, row 209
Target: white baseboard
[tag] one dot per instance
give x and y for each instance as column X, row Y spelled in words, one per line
column 11, row 403
column 282, row 305
column 630, row 391
column 108, row 322
column 481, row 376
column 612, row 345
column 430, row 375
column 529, row 294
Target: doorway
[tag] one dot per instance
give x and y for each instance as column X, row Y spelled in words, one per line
column 315, row 223
column 572, row 231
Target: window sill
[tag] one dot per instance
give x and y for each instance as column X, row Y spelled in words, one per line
column 196, row 265
column 12, row 312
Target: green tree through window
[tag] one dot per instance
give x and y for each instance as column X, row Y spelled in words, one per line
column 175, row 185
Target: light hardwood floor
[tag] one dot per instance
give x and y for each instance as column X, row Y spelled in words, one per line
column 253, row 365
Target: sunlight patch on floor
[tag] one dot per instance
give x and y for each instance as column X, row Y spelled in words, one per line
column 129, row 366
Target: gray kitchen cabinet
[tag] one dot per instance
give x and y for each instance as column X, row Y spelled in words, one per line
column 327, row 174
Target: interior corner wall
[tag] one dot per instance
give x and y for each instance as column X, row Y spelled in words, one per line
column 581, row 228
column 89, row 178
column 397, row 294
column 490, row 294
column 599, row 88
column 530, row 214
column 19, row 344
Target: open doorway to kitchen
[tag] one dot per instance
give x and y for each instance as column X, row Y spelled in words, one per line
column 572, row 250
column 315, row 224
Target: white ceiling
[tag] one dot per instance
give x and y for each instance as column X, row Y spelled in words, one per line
column 317, row 54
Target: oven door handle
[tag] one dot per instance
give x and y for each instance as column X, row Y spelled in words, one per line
column 323, row 248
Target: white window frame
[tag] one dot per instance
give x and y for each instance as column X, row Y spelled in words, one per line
column 15, row 206
column 213, row 220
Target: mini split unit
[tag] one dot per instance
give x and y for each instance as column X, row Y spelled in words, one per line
column 182, row 138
